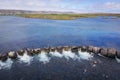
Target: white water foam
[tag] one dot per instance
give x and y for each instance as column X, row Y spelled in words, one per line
column 69, row 54
column 118, row 60
column 25, row 58
column 56, row 54
column 85, row 55
column 43, row 57
column 6, row 65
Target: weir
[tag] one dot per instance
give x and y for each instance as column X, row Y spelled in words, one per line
column 107, row 52
column 45, row 54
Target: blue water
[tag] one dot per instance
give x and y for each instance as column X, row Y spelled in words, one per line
column 17, row 32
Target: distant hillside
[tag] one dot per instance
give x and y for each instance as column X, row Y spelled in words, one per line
column 54, row 14
column 2, row 11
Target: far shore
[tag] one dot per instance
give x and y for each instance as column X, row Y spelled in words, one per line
column 65, row 16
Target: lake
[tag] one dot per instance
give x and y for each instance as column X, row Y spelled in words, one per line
column 18, row 33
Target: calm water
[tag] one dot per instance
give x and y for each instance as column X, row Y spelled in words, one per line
column 17, row 33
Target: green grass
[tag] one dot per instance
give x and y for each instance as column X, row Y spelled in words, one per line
column 64, row 16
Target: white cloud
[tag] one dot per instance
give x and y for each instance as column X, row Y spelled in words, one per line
column 60, row 5
column 107, row 5
column 112, row 5
column 38, row 5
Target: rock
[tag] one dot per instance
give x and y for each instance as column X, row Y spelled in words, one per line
column 90, row 48
column 94, row 62
column 47, row 50
column 66, row 48
column 12, row 55
column 118, row 54
column 3, row 57
column 83, row 48
column 36, row 51
column 59, row 49
column 96, row 50
column 52, row 49
column 75, row 49
column 111, row 52
column 30, row 52
column 21, row 52
column 104, row 51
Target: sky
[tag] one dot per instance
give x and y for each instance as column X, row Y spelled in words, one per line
column 80, row 6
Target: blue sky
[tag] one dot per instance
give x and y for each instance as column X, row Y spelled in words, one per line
column 81, row 6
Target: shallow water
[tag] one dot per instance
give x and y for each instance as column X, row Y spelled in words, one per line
column 18, row 33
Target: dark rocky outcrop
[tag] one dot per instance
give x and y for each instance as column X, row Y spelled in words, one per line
column 30, row 52
column 90, row 48
column 52, row 49
column 59, row 49
column 104, row 51
column 12, row 55
column 66, row 48
column 21, row 52
column 37, row 51
column 111, row 52
column 47, row 50
column 96, row 50
column 75, row 49
column 83, row 48
column 3, row 57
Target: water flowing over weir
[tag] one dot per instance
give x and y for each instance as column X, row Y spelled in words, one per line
column 46, row 54
column 58, row 63
column 70, row 62
column 44, row 57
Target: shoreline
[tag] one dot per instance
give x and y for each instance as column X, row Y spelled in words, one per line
column 66, row 16
column 63, row 16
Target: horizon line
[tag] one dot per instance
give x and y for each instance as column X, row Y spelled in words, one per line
column 74, row 12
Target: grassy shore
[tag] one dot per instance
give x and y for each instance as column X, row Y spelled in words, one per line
column 65, row 16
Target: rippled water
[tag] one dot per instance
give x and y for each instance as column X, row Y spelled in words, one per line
column 57, row 66
column 60, row 66
column 17, row 33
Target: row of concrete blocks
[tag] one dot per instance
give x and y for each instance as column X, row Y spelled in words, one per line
column 107, row 52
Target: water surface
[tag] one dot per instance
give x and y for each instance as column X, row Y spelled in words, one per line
column 18, row 32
